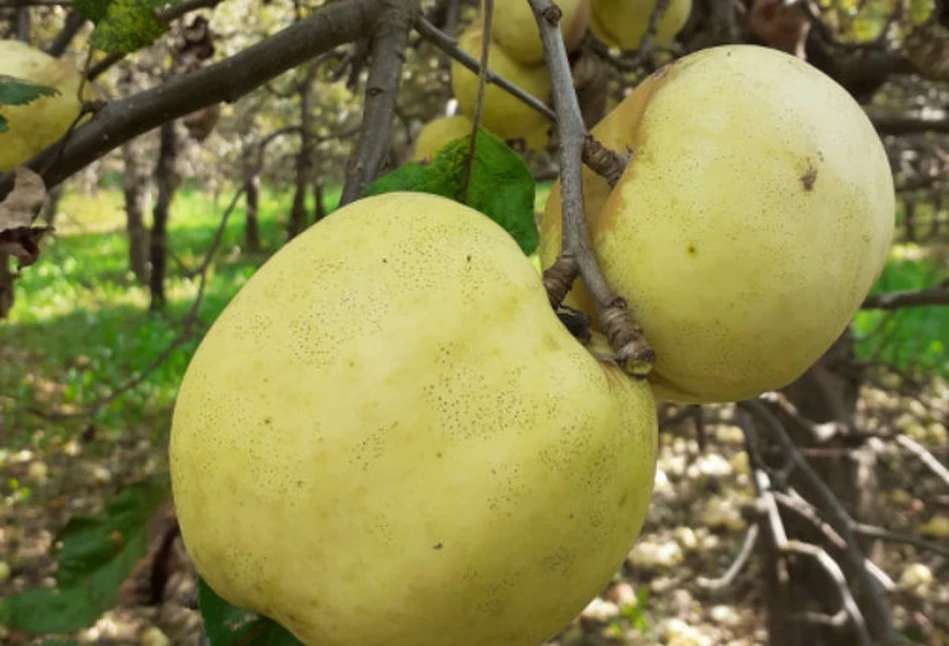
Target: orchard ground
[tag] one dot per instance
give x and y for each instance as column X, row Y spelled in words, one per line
column 81, row 327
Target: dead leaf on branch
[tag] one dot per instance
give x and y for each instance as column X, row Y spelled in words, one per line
column 18, row 236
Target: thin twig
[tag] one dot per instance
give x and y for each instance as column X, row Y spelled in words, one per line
column 881, row 614
column 878, row 532
column 186, row 333
column 602, row 160
column 390, row 37
column 747, row 547
column 632, row 351
column 923, row 454
column 488, row 17
column 448, row 45
column 645, row 45
column 768, row 502
column 797, row 503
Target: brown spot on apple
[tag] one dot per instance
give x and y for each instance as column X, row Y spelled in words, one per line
column 809, row 177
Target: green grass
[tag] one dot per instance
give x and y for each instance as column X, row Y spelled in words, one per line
column 81, row 325
column 914, row 338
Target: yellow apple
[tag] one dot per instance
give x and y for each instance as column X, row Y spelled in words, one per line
column 623, row 23
column 388, row 438
column 438, row 133
column 36, row 125
column 755, row 213
column 514, row 28
column 502, row 114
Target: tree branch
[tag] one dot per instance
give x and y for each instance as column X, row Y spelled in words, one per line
column 910, row 298
column 747, row 548
column 881, row 615
column 448, row 45
column 227, row 80
column 390, row 36
column 925, row 456
column 74, row 22
column 164, row 17
column 632, row 351
column 893, row 124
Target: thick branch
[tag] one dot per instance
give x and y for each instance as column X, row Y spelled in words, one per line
column 632, row 351
column 390, row 37
column 227, row 80
column 894, row 124
column 911, row 298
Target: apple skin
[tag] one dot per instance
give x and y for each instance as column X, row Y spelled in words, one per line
column 502, row 114
column 623, row 23
column 755, row 214
column 36, row 125
column 514, row 28
column 388, row 438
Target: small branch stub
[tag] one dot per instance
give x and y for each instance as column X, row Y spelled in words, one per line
column 603, row 161
column 633, row 352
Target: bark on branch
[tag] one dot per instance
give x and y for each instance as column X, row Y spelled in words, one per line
column 389, row 39
column 227, row 80
column 912, row 298
column 632, row 350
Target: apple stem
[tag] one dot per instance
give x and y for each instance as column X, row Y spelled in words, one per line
column 577, row 258
column 604, row 161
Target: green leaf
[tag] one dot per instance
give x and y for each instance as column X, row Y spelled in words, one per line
column 96, row 556
column 4, row 125
column 123, row 26
column 501, row 185
column 227, row 625
column 15, row 91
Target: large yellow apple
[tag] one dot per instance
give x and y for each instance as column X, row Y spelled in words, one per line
column 623, row 23
column 438, row 133
column 389, row 439
column 514, row 28
column 502, row 114
column 36, row 125
column 755, row 214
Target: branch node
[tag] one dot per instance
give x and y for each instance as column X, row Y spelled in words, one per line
column 559, row 277
column 603, row 161
column 633, row 352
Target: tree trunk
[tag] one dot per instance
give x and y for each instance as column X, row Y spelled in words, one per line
column 252, row 226
column 909, row 215
column 828, row 392
column 23, row 24
column 936, row 214
column 51, row 207
column 136, row 181
column 304, row 168
column 319, row 208
column 166, row 180
column 6, row 286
